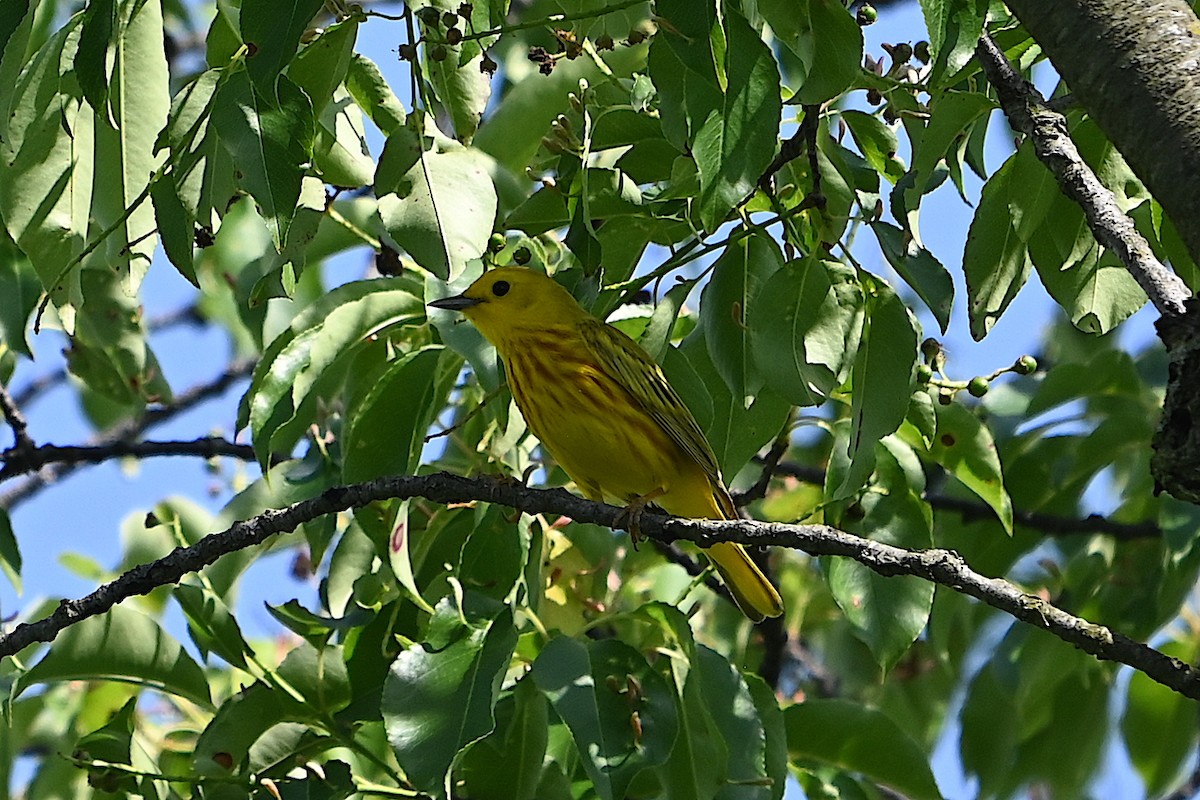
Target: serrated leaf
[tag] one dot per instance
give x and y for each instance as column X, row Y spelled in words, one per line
column 954, row 28
column 843, row 734
column 385, row 430
column 877, row 142
column 137, row 105
column 122, row 645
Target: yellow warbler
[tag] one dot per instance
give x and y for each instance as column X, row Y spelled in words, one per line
column 601, row 406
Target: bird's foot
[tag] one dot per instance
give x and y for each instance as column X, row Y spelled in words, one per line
column 631, row 517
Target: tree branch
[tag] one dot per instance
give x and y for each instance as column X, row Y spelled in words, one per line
column 937, row 565
column 38, row 457
column 1028, row 112
column 129, row 431
column 1049, row 524
column 22, row 443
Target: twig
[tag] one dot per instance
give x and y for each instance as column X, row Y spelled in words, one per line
column 936, row 565
column 129, row 431
column 1028, row 112
column 1050, row 524
column 38, row 457
column 770, row 463
column 22, row 443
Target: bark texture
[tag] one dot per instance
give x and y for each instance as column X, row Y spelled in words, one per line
column 1135, row 66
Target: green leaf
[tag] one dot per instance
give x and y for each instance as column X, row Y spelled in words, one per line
column 272, row 30
column 775, row 734
column 319, row 677
column 583, row 683
column 233, row 730
column 113, row 741
column 47, row 168
column 919, row 269
column 951, row 117
column 439, row 696
column 462, row 87
column 887, row 613
column 269, row 141
column 848, row 736
column 93, row 61
column 439, row 206
column 964, row 446
column 323, row 64
column 826, row 39
column 995, row 260
column 211, row 625
column 805, row 328
column 738, row 276
column 954, row 29
column 138, row 102
column 374, row 96
column 735, row 430
column 877, row 142
column 20, row 297
column 739, row 726
column 319, row 342
column 385, row 430
column 494, row 554
column 176, row 227
column 1090, row 284
column 736, row 142
column 1158, row 727
column 10, row 553
column 121, row 645
column 882, row 381
column 507, row 763
column 110, row 351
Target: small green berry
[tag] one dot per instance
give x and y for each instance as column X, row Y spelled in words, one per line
column 924, row 373
column 921, row 51
column 428, row 15
column 496, row 243
column 866, row 15
column 1026, row 365
column 978, row 386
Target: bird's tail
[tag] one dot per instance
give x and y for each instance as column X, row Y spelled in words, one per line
column 754, row 594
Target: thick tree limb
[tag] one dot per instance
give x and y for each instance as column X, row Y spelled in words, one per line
column 1028, row 112
column 129, row 431
column 939, row 566
column 204, row 447
column 1135, row 66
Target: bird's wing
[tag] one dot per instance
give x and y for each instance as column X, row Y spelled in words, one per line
column 629, row 365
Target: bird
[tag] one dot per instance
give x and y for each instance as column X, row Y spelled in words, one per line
column 602, row 407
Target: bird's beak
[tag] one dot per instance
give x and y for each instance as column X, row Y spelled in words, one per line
column 459, row 302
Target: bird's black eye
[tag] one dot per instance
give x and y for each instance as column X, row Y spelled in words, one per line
column 500, row 288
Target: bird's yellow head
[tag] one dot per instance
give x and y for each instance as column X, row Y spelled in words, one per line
column 509, row 302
